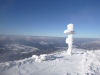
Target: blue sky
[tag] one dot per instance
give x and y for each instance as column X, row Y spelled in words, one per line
column 50, row 17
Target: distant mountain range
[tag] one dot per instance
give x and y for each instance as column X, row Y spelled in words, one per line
column 15, row 47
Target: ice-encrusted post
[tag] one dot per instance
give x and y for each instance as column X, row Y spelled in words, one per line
column 69, row 39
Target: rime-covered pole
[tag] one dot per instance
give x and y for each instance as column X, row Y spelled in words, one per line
column 69, row 39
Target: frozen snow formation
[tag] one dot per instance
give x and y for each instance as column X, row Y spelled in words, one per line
column 82, row 62
column 39, row 58
column 69, row 40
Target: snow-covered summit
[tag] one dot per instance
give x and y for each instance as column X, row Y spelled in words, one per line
column 81, row 62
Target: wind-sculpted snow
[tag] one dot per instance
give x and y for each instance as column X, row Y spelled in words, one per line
column 81, row 62
column 69, row 39
column 91, row 62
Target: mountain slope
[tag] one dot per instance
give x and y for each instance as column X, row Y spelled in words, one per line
column 82, row 62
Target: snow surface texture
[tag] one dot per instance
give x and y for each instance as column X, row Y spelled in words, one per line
column 69, row 40
column 81, row 62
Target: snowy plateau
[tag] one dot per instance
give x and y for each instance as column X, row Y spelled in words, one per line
column 81, row 62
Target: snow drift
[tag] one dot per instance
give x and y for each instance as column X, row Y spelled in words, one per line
column 81, row 62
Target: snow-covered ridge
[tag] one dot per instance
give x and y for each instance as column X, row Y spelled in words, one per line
column 81, row 62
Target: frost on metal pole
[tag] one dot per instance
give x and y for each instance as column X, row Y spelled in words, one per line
column 69, row 39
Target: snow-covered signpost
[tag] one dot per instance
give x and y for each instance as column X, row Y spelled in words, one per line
column 69, row 39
